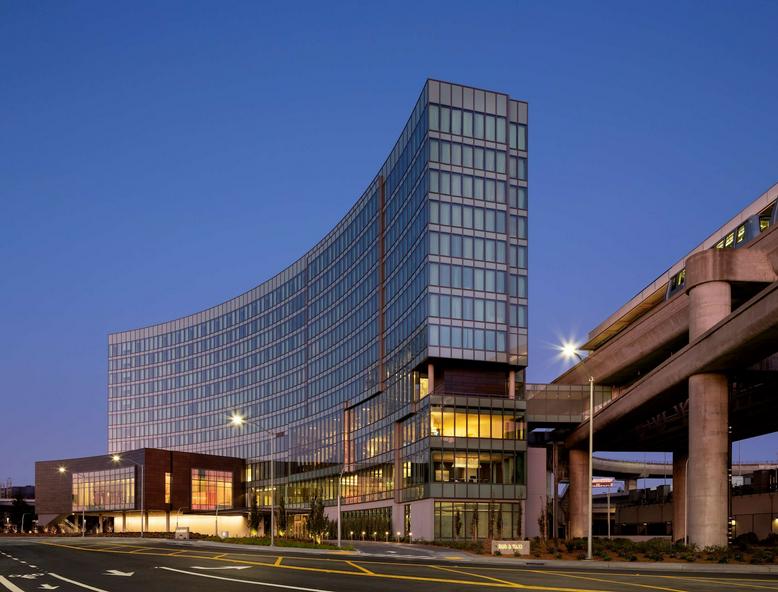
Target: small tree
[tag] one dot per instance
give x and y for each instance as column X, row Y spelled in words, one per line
column 21, row 509
column 519, row 520
column 474, row 525
column 318, row 523
column 254, row 514
column 282, row 514
column 543, row 523
column 499, row 522
column 457, row 524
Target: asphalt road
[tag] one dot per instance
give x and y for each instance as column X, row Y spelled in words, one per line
column 114, row 565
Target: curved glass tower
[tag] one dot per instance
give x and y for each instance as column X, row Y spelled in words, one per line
column 392, row 351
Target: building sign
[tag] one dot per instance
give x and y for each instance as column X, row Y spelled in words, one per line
column 603, row 482
column 510, row 547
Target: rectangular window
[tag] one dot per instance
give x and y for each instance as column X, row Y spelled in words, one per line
column 456, row 245
column 445, row 152
column 491, row 129
column 478, row 126
column 456, row 185
column 523, row 169
column 456, row 154
column 456, row 122
column 211, row 489
column 500, row 162
column 445, row 214
column 445, row 275
column 478, row 188
column 467, row 156
column 467, row 247
column 490, row 193
column 456, row 215
column 434, row 309
column 522, row 144
column 445, row 183
column 501, row 130
column 478, row 218
column 467, row 186
column 478, row 158
column 445, row 244
column 434, row 117
column 489, row 160
column 445, row 119
column 467, row 124
column 168, row 478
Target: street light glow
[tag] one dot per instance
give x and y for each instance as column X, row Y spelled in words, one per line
column 61, row 469
column 116, row 458
column 237, row 420
column 570, row 350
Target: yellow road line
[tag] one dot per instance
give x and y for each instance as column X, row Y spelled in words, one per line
column 278, row 561
column 601, row 579
column 489, row 584
column 459, row 571
column 739, row 582
column 360, row 568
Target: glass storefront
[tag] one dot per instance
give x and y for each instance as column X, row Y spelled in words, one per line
column 473, row 521
column 112, row 489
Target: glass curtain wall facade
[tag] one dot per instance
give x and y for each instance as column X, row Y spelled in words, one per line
column 365, row 350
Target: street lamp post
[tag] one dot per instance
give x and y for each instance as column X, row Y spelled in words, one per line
column 178, row 514
column 570, row 351
column 340, row 484
column 23, row 515
column 117, row 459
column 238, row 420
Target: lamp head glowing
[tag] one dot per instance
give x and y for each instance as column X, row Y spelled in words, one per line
column 570, row 351
column 237, row 420
column 116, row 458
column 61, row 469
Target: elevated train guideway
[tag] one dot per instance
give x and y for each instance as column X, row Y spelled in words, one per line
column 692, row 363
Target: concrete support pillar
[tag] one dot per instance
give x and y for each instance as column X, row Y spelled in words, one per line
column 537, row 499
column 579, row 504
column 630, row 484
column 680, row 459
column 709, row 303
column 708, row 459
column 511, row 384
column 707, row 483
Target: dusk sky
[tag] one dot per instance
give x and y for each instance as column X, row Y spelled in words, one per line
column 159, row 158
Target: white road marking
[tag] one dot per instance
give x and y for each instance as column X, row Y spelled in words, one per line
column 48, row 587
column 224, row 567
column 10, row 585
column 116, row 572
column 75, row 583
column 252, row 582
